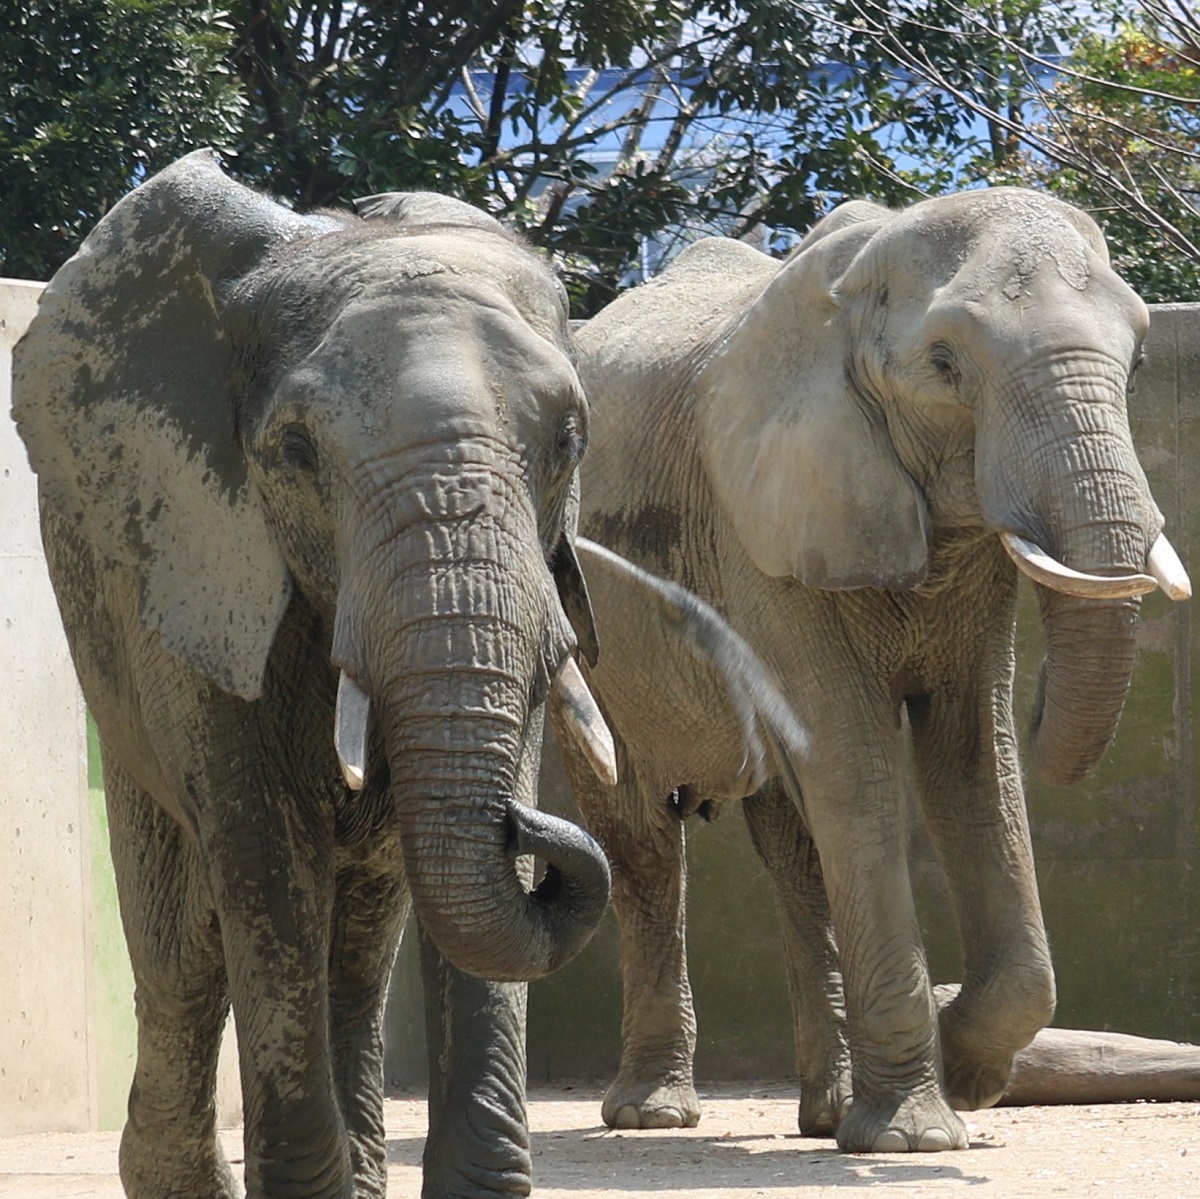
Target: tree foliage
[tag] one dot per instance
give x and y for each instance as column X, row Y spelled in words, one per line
column 1105, row 115
column 1128, row 134
column 93, row 95
column 604, row 131
column 589, row 126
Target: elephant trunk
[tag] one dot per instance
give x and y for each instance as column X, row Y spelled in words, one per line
column 1100, row 521
column 453, row 768
column 452, row 627
column 1074, row 487
column 1090, row 654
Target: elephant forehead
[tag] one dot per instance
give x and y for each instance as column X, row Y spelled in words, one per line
column 499, row 263
column 334, row 269
column 469, row 331
column 999, row 238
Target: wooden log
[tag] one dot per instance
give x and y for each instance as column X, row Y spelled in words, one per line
column 1068, row 1065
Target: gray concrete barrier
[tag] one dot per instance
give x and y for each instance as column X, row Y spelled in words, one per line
column 67, row 1029
column 48, row 1050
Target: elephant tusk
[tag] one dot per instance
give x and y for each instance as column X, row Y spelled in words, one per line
column 352, row 716
column 1041, row 568
column 1163, row 563
column 583, row 717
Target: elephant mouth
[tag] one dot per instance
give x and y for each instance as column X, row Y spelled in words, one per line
column 1163, row 569
column 582, row 716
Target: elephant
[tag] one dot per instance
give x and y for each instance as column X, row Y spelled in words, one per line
column 851, row 454
column 308, row 487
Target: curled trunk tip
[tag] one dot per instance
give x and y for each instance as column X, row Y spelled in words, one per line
column 460, row 857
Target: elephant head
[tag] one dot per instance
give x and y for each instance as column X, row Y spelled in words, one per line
column 963, row 363
column 242, row 404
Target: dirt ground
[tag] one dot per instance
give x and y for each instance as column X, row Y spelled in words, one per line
column 746, row 1146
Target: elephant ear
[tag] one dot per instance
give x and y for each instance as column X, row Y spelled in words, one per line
column 122, row 391
column 802, row 464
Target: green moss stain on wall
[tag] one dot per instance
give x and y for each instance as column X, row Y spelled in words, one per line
column 112, row 980
column 1123, row 954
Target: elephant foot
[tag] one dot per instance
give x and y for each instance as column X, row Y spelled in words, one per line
column 973, row 1084
column 976, row 1071
column 465, row 1185
column 479, row 1162
column 920, row 1122
column 823, row 1104
column 147, row 1173
column 651, row 1103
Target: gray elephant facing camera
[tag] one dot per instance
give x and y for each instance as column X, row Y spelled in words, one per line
column 826, row 450
column 295, row 470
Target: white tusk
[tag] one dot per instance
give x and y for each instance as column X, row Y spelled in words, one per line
column 350, row 721
column 1163, row 563
column 1041, row 568
column 583, row 717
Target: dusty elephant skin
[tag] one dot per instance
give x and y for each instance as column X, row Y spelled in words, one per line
column 826, row 450
column 274, row 449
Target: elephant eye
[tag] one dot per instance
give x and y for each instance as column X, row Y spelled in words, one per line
column 297, row 450
column 941, row 358
column 571, row 442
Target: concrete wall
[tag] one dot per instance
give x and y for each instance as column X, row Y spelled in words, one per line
column 67, row 1028
column 47, row 1047
column 1117, row 855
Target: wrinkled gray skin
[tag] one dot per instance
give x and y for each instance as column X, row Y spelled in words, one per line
column 271, row 447
column 825, row 449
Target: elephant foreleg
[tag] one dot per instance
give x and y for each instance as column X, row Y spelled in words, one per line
column 369, row 912
column 642, row 834
column 270, row 860
column 975, row 812
column 478, row 1143
column 854, row 803
column 169, row 1146
column 810, row 953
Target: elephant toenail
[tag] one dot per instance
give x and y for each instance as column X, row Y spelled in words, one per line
column 935, row 1140
column 892, row 1140
column 664, row 1117
column 628, row 1117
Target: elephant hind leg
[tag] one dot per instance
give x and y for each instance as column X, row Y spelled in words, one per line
column 169, row 1146
column 786, row 849
column 641, row 830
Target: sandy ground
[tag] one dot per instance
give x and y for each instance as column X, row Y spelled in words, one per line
column 746, row 1146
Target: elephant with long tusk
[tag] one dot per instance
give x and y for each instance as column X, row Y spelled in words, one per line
column 845, row 453
column 1162, row 563
column 308, row 487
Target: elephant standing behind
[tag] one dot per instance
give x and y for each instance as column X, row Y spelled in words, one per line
column 825, row 449
column 307, row 490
